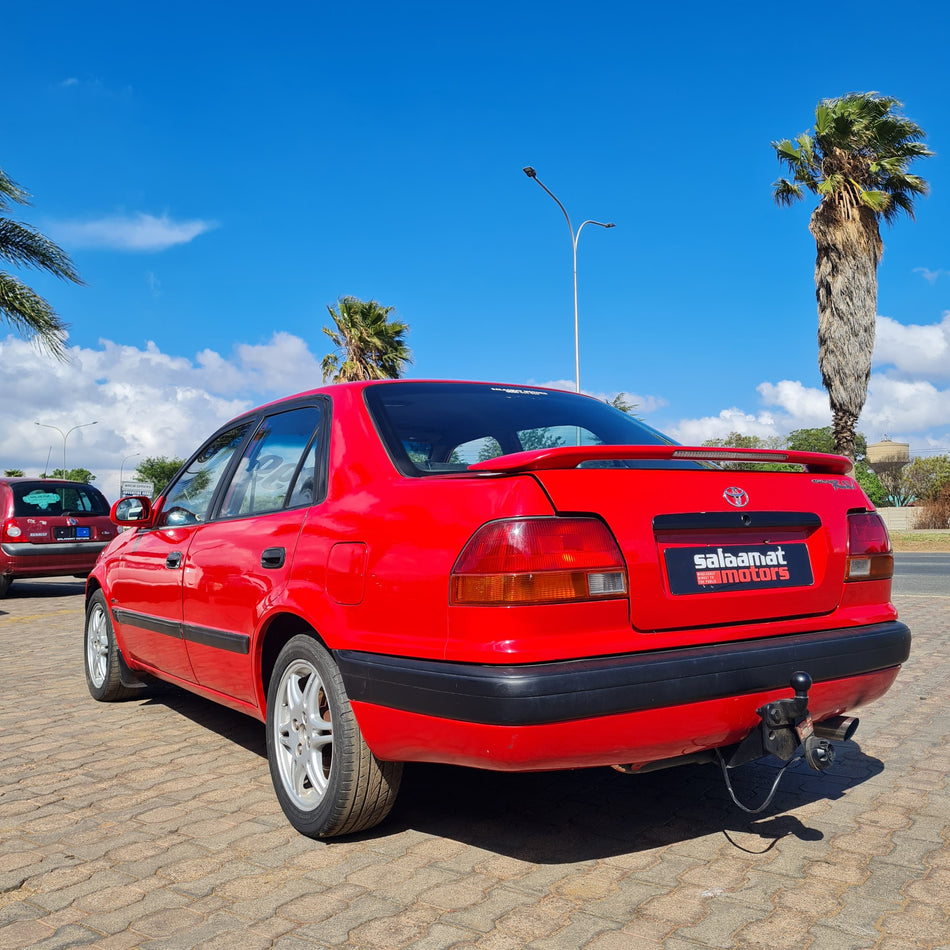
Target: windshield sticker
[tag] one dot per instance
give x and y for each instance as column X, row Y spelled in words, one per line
column 518, row 392
column 42, row 499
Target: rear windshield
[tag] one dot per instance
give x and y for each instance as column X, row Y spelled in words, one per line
column 445, row 427
column 40, row 499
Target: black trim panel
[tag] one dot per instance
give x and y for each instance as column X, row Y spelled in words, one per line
column 26, row 549
column 567, row 690
column 205, row 636
column 168, row 628
column 219, row 639
column 726, row 520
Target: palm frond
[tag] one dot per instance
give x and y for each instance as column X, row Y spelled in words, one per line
column 24, row 246
column 11, row 191
column 32, row 316
column 860, row 140
column 785, row 192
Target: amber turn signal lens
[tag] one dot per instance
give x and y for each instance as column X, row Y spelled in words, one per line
column 539, row 561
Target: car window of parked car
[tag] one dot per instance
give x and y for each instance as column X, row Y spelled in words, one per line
column 276, row 468
column 429, row 428
column 189, row 498
column 38, row 498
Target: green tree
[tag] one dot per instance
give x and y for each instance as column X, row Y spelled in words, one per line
column 158, row 470
column 72, row 475
column 23, row 246
column 369, row 344
column 823, row 440
column 620, row 402
column 13, row 472
column 925, row 478
column 856, row 163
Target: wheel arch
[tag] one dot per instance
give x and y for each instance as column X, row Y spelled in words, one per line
column 279, row 630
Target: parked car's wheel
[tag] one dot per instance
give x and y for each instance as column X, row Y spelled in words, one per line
column 5, row 581
column 102, row 654
column 327, row 780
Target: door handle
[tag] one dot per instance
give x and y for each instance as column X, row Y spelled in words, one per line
column 273, row 558
column 173, row 561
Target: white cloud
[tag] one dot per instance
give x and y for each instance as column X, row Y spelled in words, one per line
column 913, row 411
column 808, row 406
column 697, row 431
column 914, row 350
column 143, row 401
column 138, row 232
column 904, row 400
column 931, row 276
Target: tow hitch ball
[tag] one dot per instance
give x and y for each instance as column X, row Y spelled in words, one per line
column 786, row 723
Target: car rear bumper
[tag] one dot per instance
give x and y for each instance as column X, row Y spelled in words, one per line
column 47, row 560
column 53, row 549
column 633, row 708
column 538, row 693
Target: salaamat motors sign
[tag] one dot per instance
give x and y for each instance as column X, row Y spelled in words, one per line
column 706, row 570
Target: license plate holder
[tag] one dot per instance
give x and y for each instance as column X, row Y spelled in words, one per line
column 713, row 569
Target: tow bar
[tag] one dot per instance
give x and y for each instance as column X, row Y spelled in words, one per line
column 786, row 724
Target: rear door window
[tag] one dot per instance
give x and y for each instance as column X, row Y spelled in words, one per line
column 278, row 467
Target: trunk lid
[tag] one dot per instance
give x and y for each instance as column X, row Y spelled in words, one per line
column 706, row 546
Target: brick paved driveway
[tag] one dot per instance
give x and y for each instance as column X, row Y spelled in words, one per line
column 153, row 824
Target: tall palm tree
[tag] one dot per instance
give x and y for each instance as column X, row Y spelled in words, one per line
column 24, row 246
column 856, row 162
column 369, row 345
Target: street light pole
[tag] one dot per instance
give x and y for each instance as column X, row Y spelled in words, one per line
column 531, row 173
column 65, row 436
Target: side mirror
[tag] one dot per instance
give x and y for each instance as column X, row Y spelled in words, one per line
column 134, row 510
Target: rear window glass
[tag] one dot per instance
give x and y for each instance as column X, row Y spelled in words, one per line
column 32, row 499
column 445, row 427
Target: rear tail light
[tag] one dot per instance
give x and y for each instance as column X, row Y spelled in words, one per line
column 12, row 530
column 869, row 548
column 539, row 561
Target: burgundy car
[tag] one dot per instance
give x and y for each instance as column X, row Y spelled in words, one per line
column 496, row 576
column 50, row 528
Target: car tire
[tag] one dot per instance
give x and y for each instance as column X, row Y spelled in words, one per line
column 101, row 654
column 5, row 581
column 327, row 780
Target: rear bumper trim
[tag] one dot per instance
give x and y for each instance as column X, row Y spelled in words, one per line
column 51, row 549
column 538, row 693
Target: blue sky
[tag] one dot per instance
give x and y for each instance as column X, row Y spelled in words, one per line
column 222, row 172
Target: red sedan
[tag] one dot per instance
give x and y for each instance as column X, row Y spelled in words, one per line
column 495, row 576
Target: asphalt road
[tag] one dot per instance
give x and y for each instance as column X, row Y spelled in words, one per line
column 921, row 573
column 152, row 823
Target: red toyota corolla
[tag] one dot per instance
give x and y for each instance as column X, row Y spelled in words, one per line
column 495, row 576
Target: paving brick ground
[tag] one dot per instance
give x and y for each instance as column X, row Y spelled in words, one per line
column 153, row 824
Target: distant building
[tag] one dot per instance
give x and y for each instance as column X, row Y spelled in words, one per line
column 896, row 453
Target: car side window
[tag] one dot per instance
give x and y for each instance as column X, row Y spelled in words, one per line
column 188, row 500
column 278, row 466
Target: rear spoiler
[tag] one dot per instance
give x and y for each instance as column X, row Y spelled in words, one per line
column 570, row 456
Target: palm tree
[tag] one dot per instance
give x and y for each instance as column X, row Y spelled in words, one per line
column 24, row 246
column 856, row 162
column 369, row 345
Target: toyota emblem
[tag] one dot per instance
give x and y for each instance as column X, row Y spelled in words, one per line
column 736, row 497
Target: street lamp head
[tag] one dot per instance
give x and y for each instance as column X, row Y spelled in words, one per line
column 611, row 225
column 530, row 172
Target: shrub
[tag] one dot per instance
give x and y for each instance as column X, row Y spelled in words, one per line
column 937, row 513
